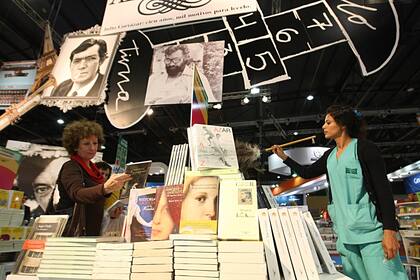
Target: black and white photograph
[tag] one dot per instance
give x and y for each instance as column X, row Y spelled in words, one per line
column 171, row 73
column 82, row 69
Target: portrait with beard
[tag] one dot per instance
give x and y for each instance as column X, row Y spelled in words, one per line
column 171, row 74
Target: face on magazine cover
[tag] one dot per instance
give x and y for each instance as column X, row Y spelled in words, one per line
column 163, row 224
column 200, row 202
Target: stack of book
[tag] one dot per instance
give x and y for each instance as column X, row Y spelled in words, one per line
column 242, row 260
column 195, row 257
column 152, row 260
column 113, row 261
column 68, row 258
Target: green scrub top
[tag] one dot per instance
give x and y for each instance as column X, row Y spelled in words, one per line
column 352, row 213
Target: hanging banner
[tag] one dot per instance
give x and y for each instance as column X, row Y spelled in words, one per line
column 127, row 82
column 412, row 183
column 140, row 14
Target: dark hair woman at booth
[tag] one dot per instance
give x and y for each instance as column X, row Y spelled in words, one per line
column 362, row 208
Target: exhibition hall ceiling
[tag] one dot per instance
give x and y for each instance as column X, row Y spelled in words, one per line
column 389, row 98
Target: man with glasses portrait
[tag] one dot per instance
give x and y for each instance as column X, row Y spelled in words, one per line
column 85, row 62
column 174, row 85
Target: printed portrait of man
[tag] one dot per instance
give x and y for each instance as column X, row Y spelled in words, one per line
column 85, row 62
column 171, row 76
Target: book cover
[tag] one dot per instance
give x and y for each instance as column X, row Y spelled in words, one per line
column 238, row 203
column 46, row 226
column 167, row 211
column 138, row 224
column 214, row 147
column 200, row 205
column 303, row 243
column 269, row 249
column 30, row 257
column 139, row 172
column 281, row 245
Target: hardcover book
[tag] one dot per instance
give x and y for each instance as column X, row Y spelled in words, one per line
column 139, row 172
column 238, row 203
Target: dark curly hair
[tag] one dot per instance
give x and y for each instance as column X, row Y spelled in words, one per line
column 350, row 118
column 78, row 130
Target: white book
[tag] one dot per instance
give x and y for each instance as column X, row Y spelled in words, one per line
column 192, row 237
column 206, row 267
column 111, row 264
column 281, row 245
column 49, row 244
column 195, row 249
column 44, row 276
column 153, row 260
column 238, row 202
column 71, row 258
column 243, row 258
column 119, row 253
column 269, row 249
column 241, row 247
column 209, row 243
column 59, row 267
column 114, row 258
column 319, row 244
column 152, row 268
column 115, row 246
column 202, row 273
column 153, row 253
column 195, row 255
column 237, row 268
column 71, row 249
column 68, row 262
column 68, row 253
column 120, row 270
column 311, row 244
column 111, row 276
column 194, row 261
column 64, row 271
column 158, row 244
column 303, row 244
column 248, row 276
column 151, row 276
column 292, row 244
column 182, row 277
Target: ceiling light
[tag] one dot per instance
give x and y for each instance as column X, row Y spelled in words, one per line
column 217, row 106
column 245, row 100
column 103, row 147
column 150, row 112
column 60, row 121
column 294, row 175
column 310, row 97
column 266, row 99
column 255, row 90
column 410, row 89
column 295, row 133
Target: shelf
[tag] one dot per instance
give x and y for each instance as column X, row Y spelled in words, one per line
column 416, row 258
column 407, row 203
column 408, row 214
column 410, row 233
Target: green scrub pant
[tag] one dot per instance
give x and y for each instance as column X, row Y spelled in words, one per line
column 367, row 262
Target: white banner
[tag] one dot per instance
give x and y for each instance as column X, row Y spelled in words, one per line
column 125, row 15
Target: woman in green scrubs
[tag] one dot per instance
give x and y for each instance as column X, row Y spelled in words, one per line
column 362, row 207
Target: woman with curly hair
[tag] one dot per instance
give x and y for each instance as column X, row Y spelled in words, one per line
column 82, row 188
